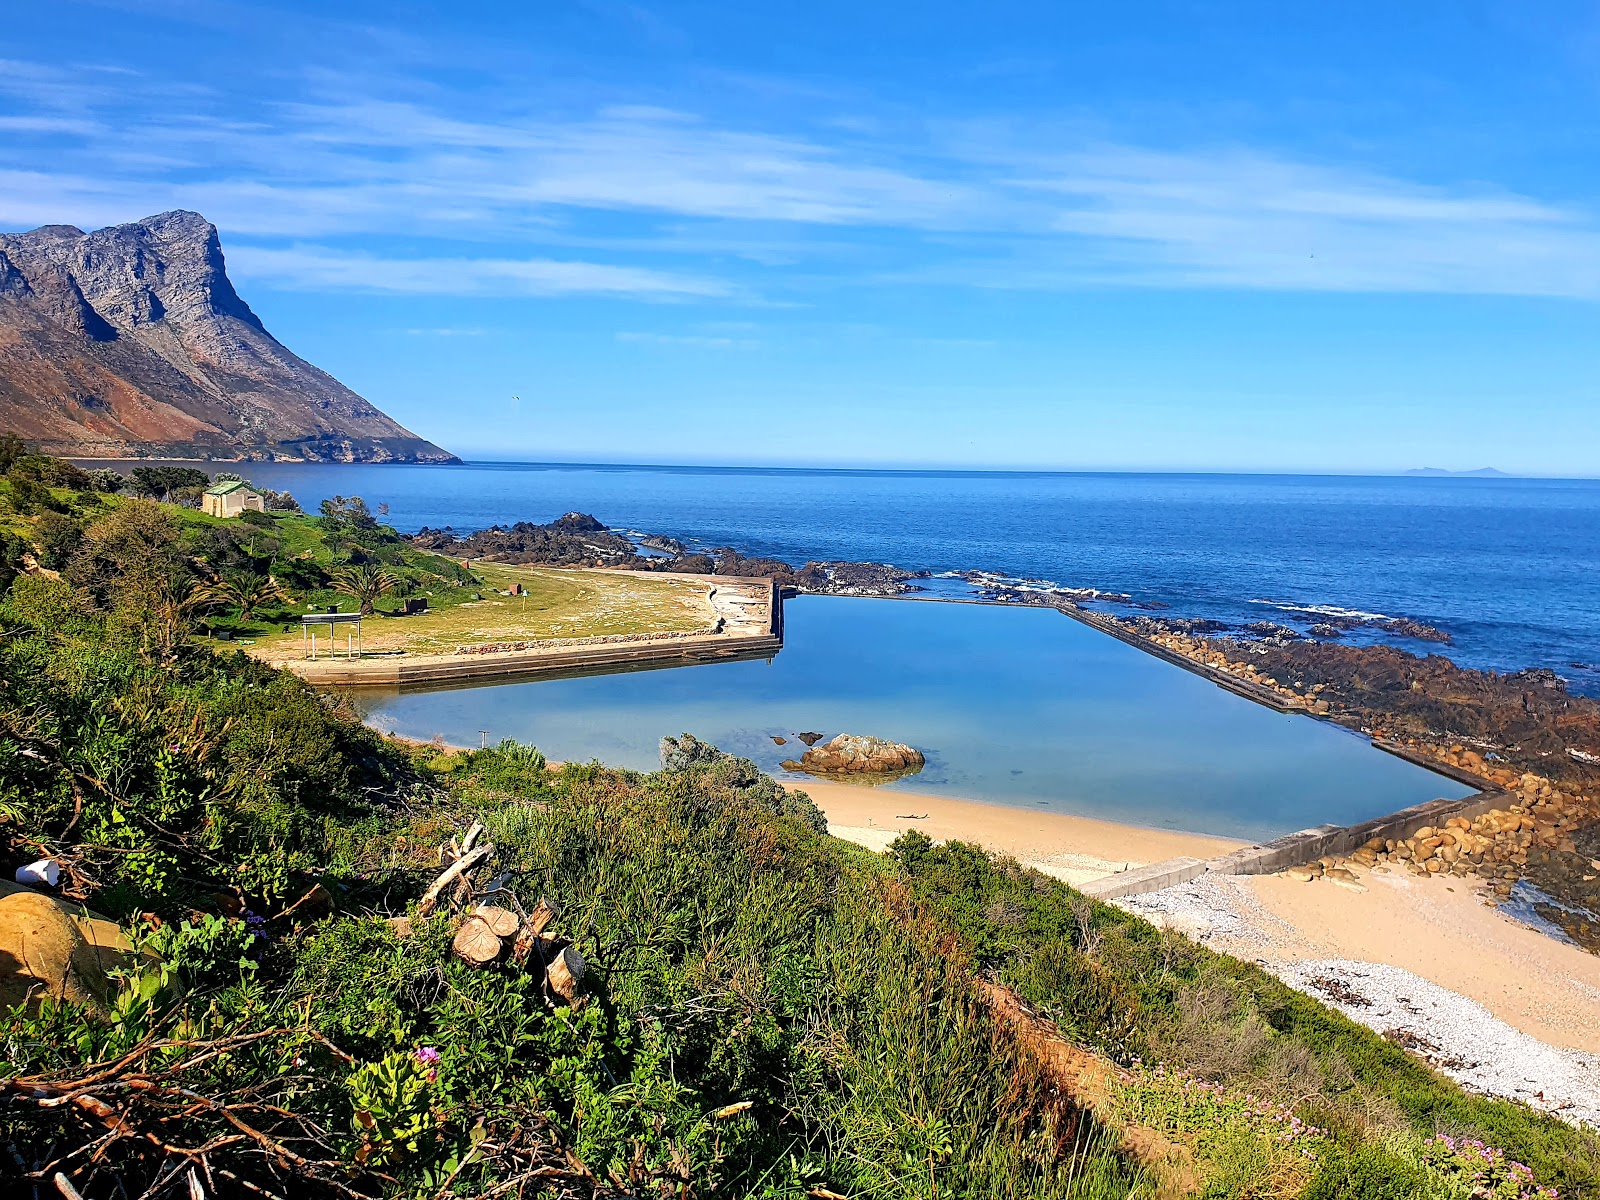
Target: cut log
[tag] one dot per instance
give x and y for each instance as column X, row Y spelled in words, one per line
column 543, row 913
column 450, row 874
column 476, row 943
column 566, row 973
column 503, row 921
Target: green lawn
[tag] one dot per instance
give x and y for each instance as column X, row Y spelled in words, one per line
column 559, row 603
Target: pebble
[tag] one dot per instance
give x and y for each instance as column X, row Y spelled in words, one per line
column 1472, row 1045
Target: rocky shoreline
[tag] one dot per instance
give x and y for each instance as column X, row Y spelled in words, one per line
column 1519, row 731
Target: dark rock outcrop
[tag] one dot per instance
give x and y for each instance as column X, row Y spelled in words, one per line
column 131, row 341
column 573, row 540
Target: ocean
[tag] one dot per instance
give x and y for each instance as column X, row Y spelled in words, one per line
column 1509, row 567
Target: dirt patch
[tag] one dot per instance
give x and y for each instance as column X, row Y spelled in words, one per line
column 1088, row 1078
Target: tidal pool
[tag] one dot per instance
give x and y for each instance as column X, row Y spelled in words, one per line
column 1015, row 706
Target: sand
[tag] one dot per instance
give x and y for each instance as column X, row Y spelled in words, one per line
column 1073, row 849
column 1504, row 1008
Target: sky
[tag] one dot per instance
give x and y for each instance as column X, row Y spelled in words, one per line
column 1167, row 236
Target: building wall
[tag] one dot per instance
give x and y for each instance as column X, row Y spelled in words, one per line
column 233, row 504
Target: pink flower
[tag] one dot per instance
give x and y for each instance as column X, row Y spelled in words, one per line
column 427, row 1055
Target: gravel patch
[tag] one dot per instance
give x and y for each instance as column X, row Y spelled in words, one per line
column 1211, row 906
column 1457, row 1036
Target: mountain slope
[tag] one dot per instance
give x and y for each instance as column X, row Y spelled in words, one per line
column 132, row 341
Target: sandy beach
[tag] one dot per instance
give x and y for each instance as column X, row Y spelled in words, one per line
column 1073, row 849
column 1501, row 1006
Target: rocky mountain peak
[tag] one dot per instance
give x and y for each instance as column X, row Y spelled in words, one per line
column 134, row 334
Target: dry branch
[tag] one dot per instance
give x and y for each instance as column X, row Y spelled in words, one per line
column 450, row 874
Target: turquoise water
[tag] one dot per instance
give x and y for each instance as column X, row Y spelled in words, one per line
column 1013, row 706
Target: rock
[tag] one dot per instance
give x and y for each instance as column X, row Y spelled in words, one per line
column 854, row 754
column 778, row 741
column 810, row 739
column 133, row 337
column 1303, row 874
column 44, row 951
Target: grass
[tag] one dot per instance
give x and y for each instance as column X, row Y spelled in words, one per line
column 559, row 603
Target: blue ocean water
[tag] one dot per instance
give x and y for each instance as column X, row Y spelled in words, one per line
column 1510, row 567
column 1019, row 706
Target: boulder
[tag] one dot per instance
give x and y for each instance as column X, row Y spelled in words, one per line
column 46, row 951
column 853, row 754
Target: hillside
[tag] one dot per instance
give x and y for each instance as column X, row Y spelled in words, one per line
column 131, row 341
column 351, row 968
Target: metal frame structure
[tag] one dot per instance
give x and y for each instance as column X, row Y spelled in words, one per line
column 308, row 633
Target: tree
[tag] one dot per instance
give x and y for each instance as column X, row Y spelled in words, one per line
column 342, row 514
column 11, row 449
column 245, row 591
column 366, row 583
column 160, row 482
column 103, row 479
column 57, row 537
column 133, row 563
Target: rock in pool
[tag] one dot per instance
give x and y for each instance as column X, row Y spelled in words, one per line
column 853, row 754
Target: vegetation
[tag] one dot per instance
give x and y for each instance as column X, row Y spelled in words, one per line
column 767, row 1012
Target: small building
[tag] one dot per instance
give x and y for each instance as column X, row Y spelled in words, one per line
column 231, row 497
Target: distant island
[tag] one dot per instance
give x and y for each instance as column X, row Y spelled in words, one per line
column 1440, row 472
column 131, row 342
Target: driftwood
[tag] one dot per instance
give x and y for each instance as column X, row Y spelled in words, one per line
column 502, row 921
column 467, row 862
column 477, row 943
column 566, row 973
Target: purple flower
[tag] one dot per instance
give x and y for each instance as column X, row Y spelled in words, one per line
column 427, row 1055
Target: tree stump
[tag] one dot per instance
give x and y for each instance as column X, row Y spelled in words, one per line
column 543, row 913
column 566, row 973
column 503, row 921
column 476, row 943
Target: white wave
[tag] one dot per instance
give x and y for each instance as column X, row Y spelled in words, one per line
column 1324, row 610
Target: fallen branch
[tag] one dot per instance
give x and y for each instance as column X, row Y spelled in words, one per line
column 450, row 874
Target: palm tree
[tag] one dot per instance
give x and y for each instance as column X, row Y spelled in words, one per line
column 245, row 591
column 366, row 583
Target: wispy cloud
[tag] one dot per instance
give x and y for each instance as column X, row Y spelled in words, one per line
column 344, row 188
column 689, row 340
column 325, row 270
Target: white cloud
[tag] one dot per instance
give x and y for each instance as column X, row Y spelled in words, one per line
column 679, row 206
column 693, row 341
column 317, row 269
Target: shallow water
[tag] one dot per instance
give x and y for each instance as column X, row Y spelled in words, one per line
column 1014, row 706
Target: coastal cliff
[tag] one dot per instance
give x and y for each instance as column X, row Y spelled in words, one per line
column 131, row 341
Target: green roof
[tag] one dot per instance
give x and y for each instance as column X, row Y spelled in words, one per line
column 226, row 486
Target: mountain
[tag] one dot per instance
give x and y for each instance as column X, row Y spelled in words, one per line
column 131, row 341
column 1440, row 472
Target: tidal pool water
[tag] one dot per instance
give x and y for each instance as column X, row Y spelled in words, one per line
column 1013, row 706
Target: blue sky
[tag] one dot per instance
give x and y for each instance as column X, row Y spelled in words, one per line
column 1145, row 235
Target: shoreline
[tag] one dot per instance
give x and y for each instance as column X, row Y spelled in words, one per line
column 1432, row 964
column 1074, row 849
